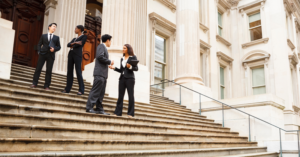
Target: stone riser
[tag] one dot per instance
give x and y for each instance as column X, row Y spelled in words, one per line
column 21, row 131
column 138, row 115
column 33, row 145
column 83, row 99
column 155, row 153
column 76, row 115
column 117, row 123
column 108, row 106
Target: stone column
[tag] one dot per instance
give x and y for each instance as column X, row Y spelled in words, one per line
column 187, row 40
column 119, row 21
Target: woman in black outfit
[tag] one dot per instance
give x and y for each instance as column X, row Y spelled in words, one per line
column 126, row 81
column 75, row 57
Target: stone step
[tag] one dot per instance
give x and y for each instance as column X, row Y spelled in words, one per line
column 28, row 110
column 29, row 74
column 28, row 78
column 263, row 154
column 30, row 69
column 44, row 144
column 60, row 85
column 81, row 100
column 210, row 152
column 108, row 106
column 51, row 132
column 109, row 122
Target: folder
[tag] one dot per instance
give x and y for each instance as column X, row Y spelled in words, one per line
column 133, row 62
column 51, row 44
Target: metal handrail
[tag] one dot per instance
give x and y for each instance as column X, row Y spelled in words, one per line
column 249, row 115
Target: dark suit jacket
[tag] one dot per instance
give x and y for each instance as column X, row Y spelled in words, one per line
column 77, row 49
column 126, row 72
column 101, row 62
column 43, row 45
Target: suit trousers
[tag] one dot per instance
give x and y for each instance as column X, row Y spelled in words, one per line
column 49, row 65
column 124, row 84
column 97, row 94
column 73, row 59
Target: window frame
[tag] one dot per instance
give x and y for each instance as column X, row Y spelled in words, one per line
column 223, row 86
column 251, row 28
column 220, row 33
column 265, row 85
column 164, row 64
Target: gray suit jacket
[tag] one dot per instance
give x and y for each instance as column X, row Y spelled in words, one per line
column 101, row 62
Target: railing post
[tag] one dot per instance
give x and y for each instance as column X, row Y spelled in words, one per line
column 180, row 95
column 222, row 115
column 280, row 143
column 200, row 104
column 249, row 130
column 298, row 143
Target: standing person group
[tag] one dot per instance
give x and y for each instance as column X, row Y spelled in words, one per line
column 49, row 44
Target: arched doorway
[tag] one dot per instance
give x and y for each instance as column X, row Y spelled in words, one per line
column 93, row 21
column 27, row 17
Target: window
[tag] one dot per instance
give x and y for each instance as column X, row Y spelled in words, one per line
column 220, row 23
column 222, row 83
column 160, row 59
column 258, row 81
column 255, row 26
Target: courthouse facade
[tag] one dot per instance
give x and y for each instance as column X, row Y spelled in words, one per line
column 244, row 53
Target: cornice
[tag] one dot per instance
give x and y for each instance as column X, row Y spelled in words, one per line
column 224, row 5
column 204, row 45
column 224, row 57
column 203, row 27
column 293, row 59
column 289, row 7
column 169, row 4
column 255, row 42
column 233, row 3
column 161, row 21
column 224, row 41
column 50, row 4
column 252, row 7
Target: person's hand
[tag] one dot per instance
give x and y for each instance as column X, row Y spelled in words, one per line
column 79, row 42
column 52, row 49
column 112, row 62
column 111, row 67
column 128, row 65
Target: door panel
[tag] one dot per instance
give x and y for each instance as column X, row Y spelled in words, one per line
column 88, row 49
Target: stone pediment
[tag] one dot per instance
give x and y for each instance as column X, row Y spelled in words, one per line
column 159, row 20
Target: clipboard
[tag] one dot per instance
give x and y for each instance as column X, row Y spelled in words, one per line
column 133, row 62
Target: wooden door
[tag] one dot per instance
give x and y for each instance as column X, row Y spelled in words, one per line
column 27, row 17
column 93, row 29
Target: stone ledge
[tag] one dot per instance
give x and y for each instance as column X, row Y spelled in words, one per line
column 224, row 41
column 255, row 42
column 169, row 4
column 224, row 57
column 162, row 22
column 203, row 27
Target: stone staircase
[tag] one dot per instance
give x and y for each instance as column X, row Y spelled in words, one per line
column 35, row 122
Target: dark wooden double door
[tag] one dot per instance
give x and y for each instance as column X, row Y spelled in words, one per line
column 27, row 17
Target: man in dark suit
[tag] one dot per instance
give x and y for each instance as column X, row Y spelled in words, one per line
column 100, row 76
column 47, row 46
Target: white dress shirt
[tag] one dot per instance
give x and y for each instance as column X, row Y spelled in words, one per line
column 124, row 62
column 49, row 36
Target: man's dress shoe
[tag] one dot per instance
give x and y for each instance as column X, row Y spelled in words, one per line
column 91, row 111
column 102, row 112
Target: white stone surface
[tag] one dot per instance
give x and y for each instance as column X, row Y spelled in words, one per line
column 6, row 47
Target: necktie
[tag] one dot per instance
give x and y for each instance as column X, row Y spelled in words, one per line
column 50, row 37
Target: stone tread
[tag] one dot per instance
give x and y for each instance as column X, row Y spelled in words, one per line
column 127, row 152
column 263, row 154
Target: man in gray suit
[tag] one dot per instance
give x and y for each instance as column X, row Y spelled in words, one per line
column 100, row 76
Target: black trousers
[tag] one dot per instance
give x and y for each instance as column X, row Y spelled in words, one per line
column 124, row 84
column 97, row 94
column 49, row 65
column 74, row 60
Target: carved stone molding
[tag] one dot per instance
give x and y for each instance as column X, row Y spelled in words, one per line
column 265, row 58
column 204, row 45
column 224, row 57
column 203, row 27
column 291, row 45
column 289, row 8
column 293, row 59
column 233, row 3
column 255, row 42
column 159, row 20
column 223, row 6
column 252, row 7
column 169, row 4
column 50, row 4
column 224, row 41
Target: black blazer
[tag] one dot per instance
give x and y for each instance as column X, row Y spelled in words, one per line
column 101, row 62
column 43, row 45
column 126, row 72
column 77, row 49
